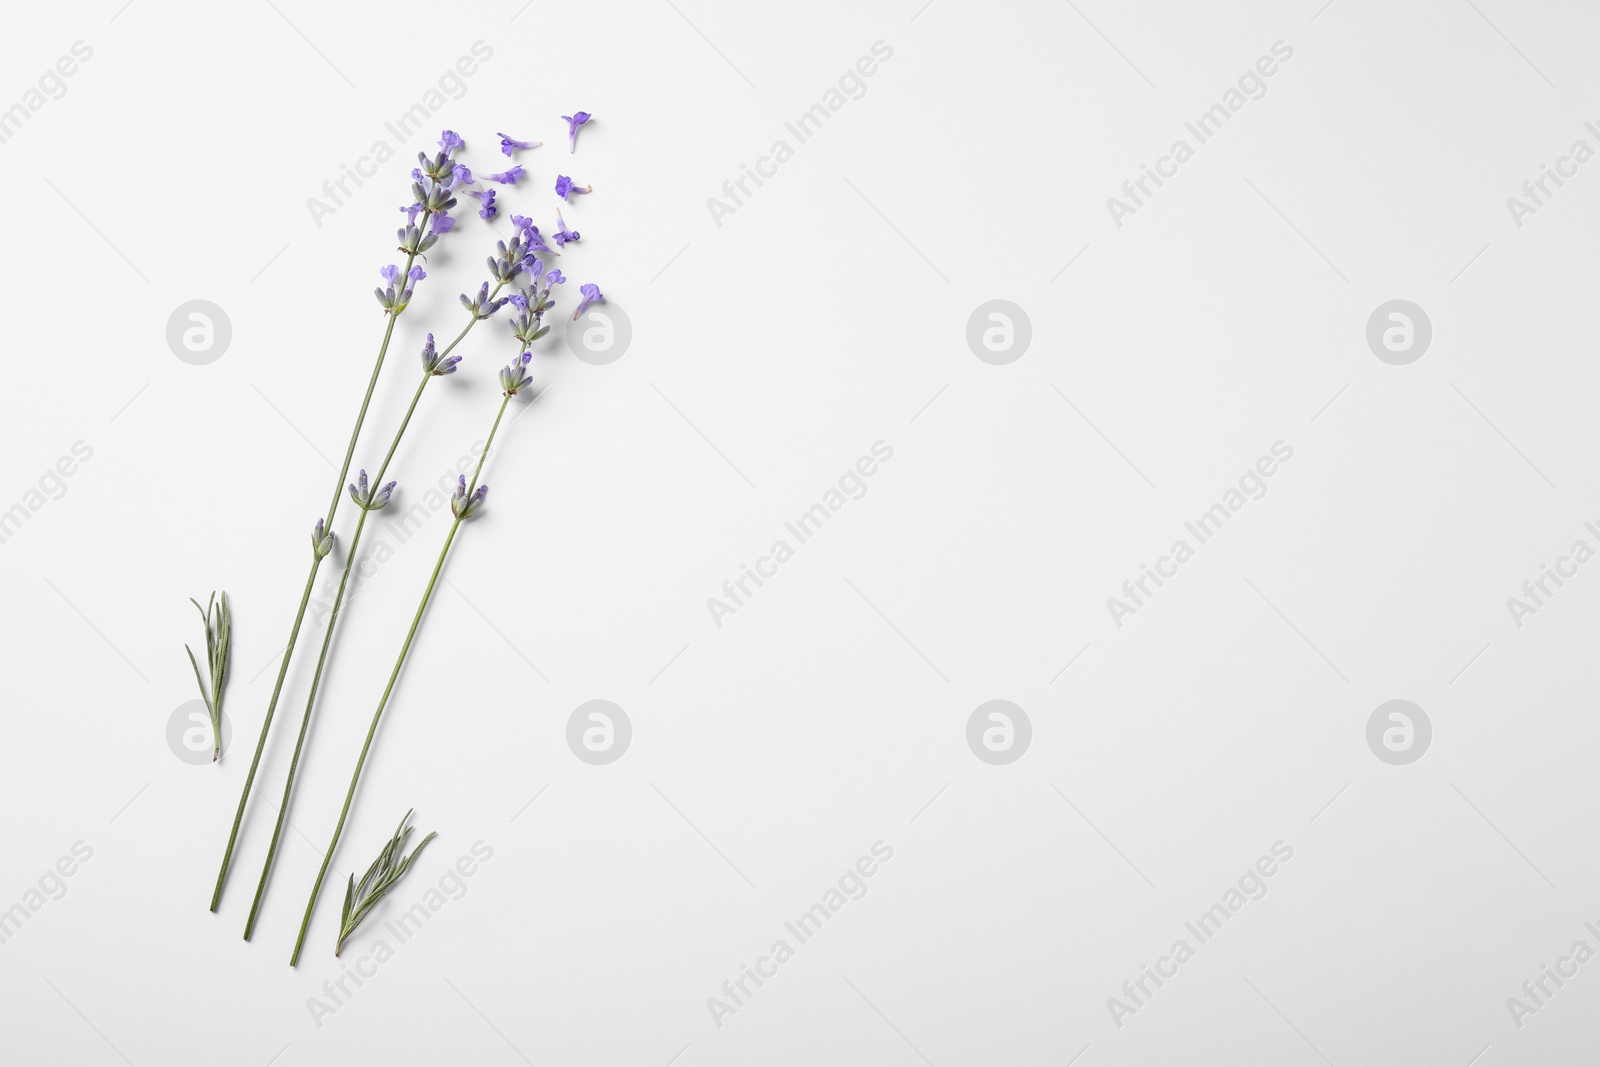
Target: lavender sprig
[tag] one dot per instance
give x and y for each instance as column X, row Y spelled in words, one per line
column 390, row 866
column 218, row 623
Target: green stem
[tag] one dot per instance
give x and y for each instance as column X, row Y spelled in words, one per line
column 327, row 638
column 388, row 689
column 305, row 598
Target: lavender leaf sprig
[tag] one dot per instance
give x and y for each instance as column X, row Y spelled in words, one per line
column 390, row 866
column 219, row 627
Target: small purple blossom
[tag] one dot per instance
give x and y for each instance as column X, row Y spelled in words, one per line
column 391, row 273
column 411, row 211
column 416, row 274
column 574, row 120
column 432, row 364
column 564, row 187
column 463, row 506
column 449, row 140
column 509, row 145
column 563, row 236
column 591, row 295
column 442, row 223
column 555, row 277
column 514, row 377
column 507, row 177
column 488, row 210
column 321, row 539
column 367, row 498
column 460, row 175
column 531, row 235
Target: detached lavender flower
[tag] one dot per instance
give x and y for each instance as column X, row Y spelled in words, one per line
column 514, row 377
column 366, row 497
column 321, row 540
column 576, row 119
column 555, row 277
column 564, row 186
column 463, row 506
column 507, row 177
column 509, row 145
column 488, row 210
column 432, row 364
column 531, row 236
column 563, row 236
column 591, row 295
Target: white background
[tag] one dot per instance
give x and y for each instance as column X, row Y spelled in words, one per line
column 828, row 313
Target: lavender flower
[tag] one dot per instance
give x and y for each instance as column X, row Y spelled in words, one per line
column 390, row 274
column 449, row 140
column 321, row 540
column 564, row 186
column 555, row 277
column 591, row 295
column 511, row 144
column 460, row 175
column 574, row 120
column 432, row 364
column 514, row 377
column 463, row 506
column 507, row 177
column 481, row 306
column 414, row 242
column 441, row 223
column 531, row 236
column 366, row 497
column 488, row 210
column 563, row 236
column 527, row 325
